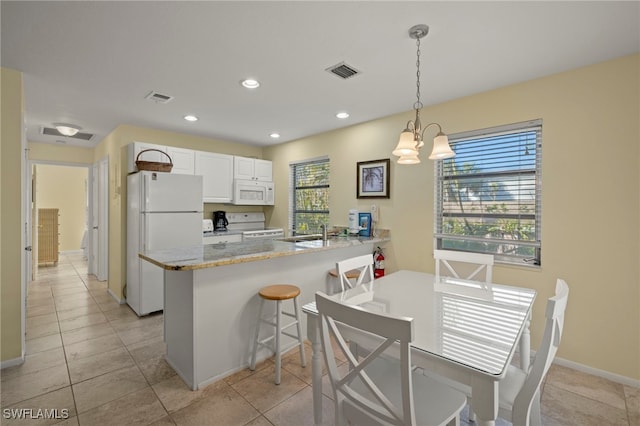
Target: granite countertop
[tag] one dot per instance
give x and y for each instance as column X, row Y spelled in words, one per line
column 212, row 255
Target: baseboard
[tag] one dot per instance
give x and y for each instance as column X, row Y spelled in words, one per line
column 116, row 298
column 11, row 362
column 597, row 372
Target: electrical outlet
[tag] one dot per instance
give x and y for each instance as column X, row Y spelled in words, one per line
column 374, row 212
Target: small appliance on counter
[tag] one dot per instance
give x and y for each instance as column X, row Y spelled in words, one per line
column 207, row 226
column 220, row 221
column 354, row 222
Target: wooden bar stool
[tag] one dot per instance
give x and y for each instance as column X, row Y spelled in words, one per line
column 278, row 292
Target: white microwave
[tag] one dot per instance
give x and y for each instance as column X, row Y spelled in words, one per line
column 251, row 192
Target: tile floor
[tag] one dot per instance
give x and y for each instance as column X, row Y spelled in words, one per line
column 98, row 360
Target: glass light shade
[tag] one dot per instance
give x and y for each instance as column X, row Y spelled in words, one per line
column 67, row 129
column 441, row 148
column 406, row 145
column 409, row 159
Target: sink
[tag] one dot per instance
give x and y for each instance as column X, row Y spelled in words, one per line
column 301, row 238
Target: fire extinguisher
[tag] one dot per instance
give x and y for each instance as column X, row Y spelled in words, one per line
column 378, row 263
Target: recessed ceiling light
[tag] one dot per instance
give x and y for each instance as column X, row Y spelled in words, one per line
column 342, row 115
column 275, row 135
column 191, row 118
column 250, row 83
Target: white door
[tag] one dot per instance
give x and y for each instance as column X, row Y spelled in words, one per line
column 34, row 220
column 164, row 192
column 172, row 230
column 25, row 258
column 92, row 221
column 102, row 243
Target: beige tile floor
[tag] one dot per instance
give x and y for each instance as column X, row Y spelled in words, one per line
column 98, row 360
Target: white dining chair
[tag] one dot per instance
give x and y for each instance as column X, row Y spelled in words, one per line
column 346, row 268
column 381, row 388
column 520, row 391
column 463, row 265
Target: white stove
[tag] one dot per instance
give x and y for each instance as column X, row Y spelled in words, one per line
column 251, row 224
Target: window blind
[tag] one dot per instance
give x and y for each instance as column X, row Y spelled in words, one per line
column 488, row 196
column 309, row 195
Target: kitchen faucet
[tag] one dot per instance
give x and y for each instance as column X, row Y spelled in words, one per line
column 323, row 227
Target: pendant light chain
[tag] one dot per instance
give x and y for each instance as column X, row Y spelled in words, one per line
column 418, row 104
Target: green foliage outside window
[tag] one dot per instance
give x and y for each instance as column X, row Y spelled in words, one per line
column 310, row 196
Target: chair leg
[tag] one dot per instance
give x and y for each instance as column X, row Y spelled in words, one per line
column 535, row 418
column 278, row 328
column 303, row 359
column 252, row 366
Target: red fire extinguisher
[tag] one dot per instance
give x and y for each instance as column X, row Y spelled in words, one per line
column 378, row 263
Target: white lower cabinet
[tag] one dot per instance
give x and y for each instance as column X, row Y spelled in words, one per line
column 217, row 176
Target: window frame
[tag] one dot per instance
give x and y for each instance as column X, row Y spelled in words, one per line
column 484, row 136
column 293, row 189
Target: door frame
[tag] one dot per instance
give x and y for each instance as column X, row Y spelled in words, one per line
column 99, row 213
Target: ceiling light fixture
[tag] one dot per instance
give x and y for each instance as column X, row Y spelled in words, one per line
column 275, row 135
column 250, row 83
column 342, row 115
column 411, row 138
column 191, row 118
column 67, row 129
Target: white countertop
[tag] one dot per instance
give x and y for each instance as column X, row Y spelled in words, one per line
column 212, row 255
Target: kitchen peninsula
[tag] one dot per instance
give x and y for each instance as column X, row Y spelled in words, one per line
column 211, row 296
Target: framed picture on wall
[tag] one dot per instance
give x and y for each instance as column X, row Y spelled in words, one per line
column 373, row 180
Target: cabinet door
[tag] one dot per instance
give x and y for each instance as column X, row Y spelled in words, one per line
column 243, row 168
column 183, row 160
column 217, row 176
column 136, row 147
column 263, row 170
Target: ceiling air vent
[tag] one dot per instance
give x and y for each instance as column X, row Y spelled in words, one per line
column 158, row 97
column 343, row 70
column 50, row 131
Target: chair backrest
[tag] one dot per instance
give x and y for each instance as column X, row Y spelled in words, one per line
column 556, row 306
column 483, row 262
column 362, row 263
column 380, row 329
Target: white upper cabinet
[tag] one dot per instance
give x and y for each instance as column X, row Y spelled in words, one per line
column 217, row 176
column 184, row 160
column 252, row 169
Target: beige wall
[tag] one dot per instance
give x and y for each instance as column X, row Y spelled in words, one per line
column 64, row 188
column 590, row 204
column 114, row 146
column 62, row 154
column 11, row 119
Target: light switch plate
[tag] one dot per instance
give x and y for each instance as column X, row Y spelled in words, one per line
column 374, row 212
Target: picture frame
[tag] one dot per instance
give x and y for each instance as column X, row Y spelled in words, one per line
column 373, row 179
column 364, row 220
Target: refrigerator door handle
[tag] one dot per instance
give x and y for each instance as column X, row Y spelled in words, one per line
column 145, row 193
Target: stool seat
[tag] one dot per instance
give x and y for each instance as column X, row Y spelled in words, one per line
column 279, row 292
column 350, row 274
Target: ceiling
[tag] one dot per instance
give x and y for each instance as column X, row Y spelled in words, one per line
column 92, row 63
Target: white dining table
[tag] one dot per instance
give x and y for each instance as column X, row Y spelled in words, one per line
column 465, row 331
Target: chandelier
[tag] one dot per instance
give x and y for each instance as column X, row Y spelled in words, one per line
column 411, row 138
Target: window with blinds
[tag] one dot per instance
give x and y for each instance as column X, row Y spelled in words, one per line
column 309, row 196
column 488, row 197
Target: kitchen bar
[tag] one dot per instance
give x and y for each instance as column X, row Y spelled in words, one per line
column 211, row 300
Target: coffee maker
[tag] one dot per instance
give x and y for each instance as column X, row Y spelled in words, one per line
column 220, row 221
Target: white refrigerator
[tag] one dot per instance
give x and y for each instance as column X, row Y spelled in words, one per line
column 164, row 211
